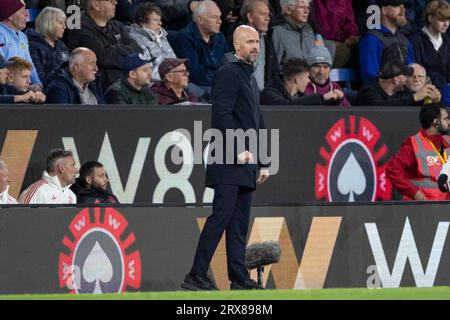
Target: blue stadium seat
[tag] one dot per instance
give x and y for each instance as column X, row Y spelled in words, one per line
column 343, row 75
column 34, row 12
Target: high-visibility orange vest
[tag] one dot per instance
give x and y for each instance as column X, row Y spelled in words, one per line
column 429, row 165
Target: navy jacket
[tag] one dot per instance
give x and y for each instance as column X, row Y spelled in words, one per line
column 437, row 63
column 62, row 90
column 47, row 60
column 5, row 95
column 204, row 59
column 275, row 93
column 235, row 105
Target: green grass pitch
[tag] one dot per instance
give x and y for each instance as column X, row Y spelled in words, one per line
column 436, row 293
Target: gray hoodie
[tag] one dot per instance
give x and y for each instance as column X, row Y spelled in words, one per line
column 153, row 45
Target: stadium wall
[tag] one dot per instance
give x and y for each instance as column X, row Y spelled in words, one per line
column 104, row 249
column 325, row 153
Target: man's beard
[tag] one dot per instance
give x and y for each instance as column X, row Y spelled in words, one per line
column 442, row 131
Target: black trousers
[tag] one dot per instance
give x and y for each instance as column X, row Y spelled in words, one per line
column 231, row 213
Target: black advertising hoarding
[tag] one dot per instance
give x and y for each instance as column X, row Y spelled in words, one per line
column 331, row 154
column 86, row 250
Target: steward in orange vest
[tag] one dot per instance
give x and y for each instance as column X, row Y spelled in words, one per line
column 415, row 169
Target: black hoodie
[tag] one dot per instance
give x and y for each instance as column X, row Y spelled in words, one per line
column 95, row 195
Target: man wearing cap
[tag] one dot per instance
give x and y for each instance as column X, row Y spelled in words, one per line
column 319, row 61
column 79, row 84
column 133, row 86
column 172, row 88
column 13, row 42
column 386, row 43
column 388, row 90
column 414, row 170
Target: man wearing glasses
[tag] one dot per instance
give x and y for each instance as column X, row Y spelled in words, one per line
column 172, row 89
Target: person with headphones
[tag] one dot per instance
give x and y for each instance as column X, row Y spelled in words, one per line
column 414, row 171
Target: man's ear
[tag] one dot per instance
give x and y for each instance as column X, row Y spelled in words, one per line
column 88, row 179
column 60, row 167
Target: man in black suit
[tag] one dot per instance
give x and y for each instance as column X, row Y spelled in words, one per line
column 235, row 105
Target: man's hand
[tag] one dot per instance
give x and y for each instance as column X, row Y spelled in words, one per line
column 339, row 94
column 35, row 88
column 425, row 92
column 245, row 157
column 419, row 196
column 263, row 175
column 193, row 5
column 331, row 95
column 28, row 97
column 442, row 183
column 40, row 97
column 435, row 96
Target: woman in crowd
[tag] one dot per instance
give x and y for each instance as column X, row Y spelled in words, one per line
column 432, row 45
column 150, row 36
column 48, row 52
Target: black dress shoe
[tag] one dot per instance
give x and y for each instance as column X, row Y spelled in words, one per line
column 197, row 282
column 246, row 285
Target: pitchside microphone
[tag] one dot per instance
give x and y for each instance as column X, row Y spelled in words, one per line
column 262, row 254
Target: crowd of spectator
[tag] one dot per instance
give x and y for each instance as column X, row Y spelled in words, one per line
column 168, row 52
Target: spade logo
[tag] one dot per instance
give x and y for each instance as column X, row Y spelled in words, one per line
column 98, row 261
column 352, row 167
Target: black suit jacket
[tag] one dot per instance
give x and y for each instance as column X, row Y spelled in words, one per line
column 235, row 105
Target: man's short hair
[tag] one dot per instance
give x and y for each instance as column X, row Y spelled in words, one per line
column 293, row 67
column 143, row 10
column 18, row 64
column 248, row 6
column 46, row 20
column 287, row 3
column 428, row 113
column 54, row 156
column 87, row 169
column 202, row 8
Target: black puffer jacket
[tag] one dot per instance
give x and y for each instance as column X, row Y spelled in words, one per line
column 111, row 44
column 92, row 195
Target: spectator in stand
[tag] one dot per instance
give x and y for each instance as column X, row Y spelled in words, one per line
column 78, row 84
column 388, row 90
column 19, row 71
column 432, row 45
column 5, row 197
column 415, row 169
column 107, row 38
column 288, row 87
column 7, row 93
column 133, row 86
column 386, row 43
column 92, row 184
column 126, row 10
column 336, row 21
column 48, row 52
column 256, row 13
column 202, row 43
column 150, row 36
column 13, row 42
column 54, row 187
column 418, row 80
column 172, row 89
column 319, row 62
column 295, row 36
column 177, row 13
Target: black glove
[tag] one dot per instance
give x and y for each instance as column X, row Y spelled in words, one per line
column 442, row 183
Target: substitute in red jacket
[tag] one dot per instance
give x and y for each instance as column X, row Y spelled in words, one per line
column 414, row 170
